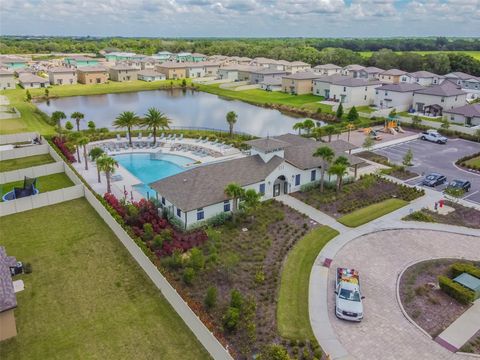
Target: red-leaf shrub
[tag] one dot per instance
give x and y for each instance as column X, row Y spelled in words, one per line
column 61, row 144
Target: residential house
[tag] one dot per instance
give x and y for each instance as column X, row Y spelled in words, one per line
column 354, row 91
column 434, row 99
column 276, row 166
column 12, row 62
column 92, row 75
column 123, row 73
column 172, row 70
column 163, row 56
column 148, row 63
column 424, row 78
column 321, row 85
column 80, row 61
column 392, row 76
column 237, row 72
column 7, row 80
column 183, row 57
column 469, row 83
column 264, row 74
column 150, row 75
column 268, row 63
column 272, row 84
column 469, row 114
column 119, row 56
column 8, row 299
column 299, row 83
column 240, row 60
column 371, row 73
column 398, row 96
column 328, row 69
column 31, row 81
column 197, row 57
column 201, row 69
column 352, row 70
column 62, row 76
column 297, row 66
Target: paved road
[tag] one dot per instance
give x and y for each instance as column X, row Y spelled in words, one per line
column 430, row 157
column 385, row 333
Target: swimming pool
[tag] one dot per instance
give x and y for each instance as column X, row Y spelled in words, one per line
column 148, row 169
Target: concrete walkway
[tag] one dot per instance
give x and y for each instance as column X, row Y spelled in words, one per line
column 462, row 329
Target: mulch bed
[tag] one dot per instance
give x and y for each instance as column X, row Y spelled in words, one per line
column 248, row 260
column 462, row 216
column 431, row 308
column 472, row 345
column 396, row 172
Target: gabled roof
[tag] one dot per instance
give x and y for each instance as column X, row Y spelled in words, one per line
column 91, row 69
column 267, row 144
column 470, row 110
column 299, row 63
column 330, row 78
column 327, row 67
column 268, row 71
column 446, row 88
column 147, row 72
column 61, row 70
column 354, row 67
column 303, row 75
column 423, row 74
column 8, row 299
column 460, row 75
column 6, row 72
column 373, row 70
column 123, row 67
column 354, row 82
column 401, row 87
column 393, row 72
column 30, row 78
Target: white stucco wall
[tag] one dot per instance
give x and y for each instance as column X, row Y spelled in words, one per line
column 7, row 82
column 399, row 100
column 448, row 102
column 319, row 87
column 354, row 96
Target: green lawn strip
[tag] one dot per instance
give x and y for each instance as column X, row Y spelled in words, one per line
column 25, row 162
column 365, row 109
column 86, row 297
column 44, row 183
column 473, row 162
column 371, row 212
column 292, row 311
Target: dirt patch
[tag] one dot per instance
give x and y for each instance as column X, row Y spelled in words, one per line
column 431, row 308
column 472, row 345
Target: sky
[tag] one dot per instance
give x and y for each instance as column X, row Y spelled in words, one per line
column 241, row 18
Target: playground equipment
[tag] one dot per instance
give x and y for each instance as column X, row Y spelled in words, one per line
column 27, row 190
column 393, row 127
column 373, row 133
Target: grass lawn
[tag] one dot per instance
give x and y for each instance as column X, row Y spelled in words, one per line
column 44, row 183
column 86, row 297
column 292, row 312
column 475, row 162
column 25, row 162
column 369, row 213
column 474, row 54
column 365, row 109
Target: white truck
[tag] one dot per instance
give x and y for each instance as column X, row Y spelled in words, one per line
column 433, row 136
column 348, row 299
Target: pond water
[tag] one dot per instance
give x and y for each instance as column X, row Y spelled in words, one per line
column 186, row 109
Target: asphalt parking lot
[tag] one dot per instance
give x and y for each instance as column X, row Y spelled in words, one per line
column 430, row 157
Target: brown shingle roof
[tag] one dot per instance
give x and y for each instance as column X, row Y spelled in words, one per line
column 400, row 87
column 30, row 78
column 393, row 72
column 90, row 69
column 446, row 88
column 470, row 110
column 267, row 144
column 8, row 299
column 303, row 75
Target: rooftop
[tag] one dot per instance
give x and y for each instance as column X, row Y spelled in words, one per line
column 354, row 82
column 31, row 78
column 268, row 144
column 446, row 88
column 460, row 75
column 400, row 87
column 470, row 110
column 86, row 69
column 303, row 75
column 8, row 299
column 393, row 72
column 327, row 67
column 61, row 69
column 123, row 67
column 373, row 70
column 354, row 67
column 423, row 74
column 6, row 72
column 150, row 73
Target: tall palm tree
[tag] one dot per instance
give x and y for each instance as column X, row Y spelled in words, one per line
column 83, row 141
column 231, row 120
column 329, row 130
column 154, row 119
column 74, row 138
column 77, row 116
column 94, row 154
column 327, row 155
column 107, row 164
column 57, row 117
column 340, row 169
column 308, row 124
column 127, row 119
column 299, row 126
column 250, row 201
column 234, row 192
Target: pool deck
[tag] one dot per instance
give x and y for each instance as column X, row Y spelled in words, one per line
column 128, row 180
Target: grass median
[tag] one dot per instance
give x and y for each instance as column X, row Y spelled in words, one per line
column 25, row 162
column 371, row 212
column 44, row 183
column 86, row 297
column 292, row 313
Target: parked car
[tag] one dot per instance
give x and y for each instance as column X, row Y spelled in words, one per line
column 348, row 299
column 465, row 185
column 433, row 136
column 434, row 179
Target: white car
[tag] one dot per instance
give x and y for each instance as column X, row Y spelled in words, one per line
column 348, row 298
column 433, row 136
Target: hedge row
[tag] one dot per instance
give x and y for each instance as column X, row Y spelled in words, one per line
column 460, row 268
column 445, row 132
column 463, row 161
column 455, row 290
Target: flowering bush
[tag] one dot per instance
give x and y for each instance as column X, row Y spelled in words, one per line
column 63, row 146
column 143, row 215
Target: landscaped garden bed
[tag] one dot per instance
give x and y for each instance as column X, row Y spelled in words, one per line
column 471, row 162
column 396, row 171
column 472, row 345
column 366, row 191
column 25, row 162
column 429, row 306
column 461, row 216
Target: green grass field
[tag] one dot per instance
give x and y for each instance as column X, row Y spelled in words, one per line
column 475, row 162
column 86, row 297
column 44, row 183
column 292, row 312
column 474, row 54
column 25, row 162
column 372, row 212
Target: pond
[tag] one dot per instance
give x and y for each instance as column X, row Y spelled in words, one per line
column 185, row 108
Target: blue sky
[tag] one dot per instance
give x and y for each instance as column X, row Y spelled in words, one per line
column 237, row 18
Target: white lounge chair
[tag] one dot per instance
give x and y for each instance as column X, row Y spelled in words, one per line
column 200, row 139
column 206, row 140
column 119, row 138
column 162, row 136
column 180, row 137
column 139, row 136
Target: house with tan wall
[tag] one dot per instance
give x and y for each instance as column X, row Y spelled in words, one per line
column 62, row 76
column 173, row 70
column 7, row 80
column 92, row 75
column 123, row 72
column 392, row 76
column 299, row 83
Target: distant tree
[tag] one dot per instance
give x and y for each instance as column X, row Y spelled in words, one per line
column 231, row 120
column 47, row 93
column 68, row 125
column 107, row 164
column 154, row 119
column 28, row 96
column 77, row 116
column 91, row 126
column 308, row 125
column 298, row 126
column 329, row 131
column 127, row 119
column 57, row 117
column 408, row 157
column 445, row 124
column 368, row 143
column 94, row 154
column 339, row 113
column 327, row 155
column 234, row 192
column 353, row 114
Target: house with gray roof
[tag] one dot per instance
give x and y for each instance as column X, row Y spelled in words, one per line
column 276, row 165
column 123, row 72
column 469, row 83
column 150, row 75
column 352, row 70
column 468, row 114
column 266, row 74
column 300, row 82
column 30, row 81
column 444, row 96
column 8, row 299
column 354, row 91
column 327, row 69
column 392, row 76
column 370, row 72
column 398, row 96
column 424, row 78
column 62, row 75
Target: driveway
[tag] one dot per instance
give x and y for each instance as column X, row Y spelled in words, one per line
column 429, row 157
column 385, row 333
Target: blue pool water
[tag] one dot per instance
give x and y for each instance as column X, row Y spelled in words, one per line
column 148, row 170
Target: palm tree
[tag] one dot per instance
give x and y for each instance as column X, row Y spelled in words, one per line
column 107, row 164
column 154, row 119
column 94, row 154
column 83, row 141
column 318, row 132
column 327, row 156
column 250, row 201
column 308, row 124
column 340, row 169
column 74, row 138
column 57, row 117
column 235, row 192
column 77, row 116
column 298, row 126
column 231, row 120
column 329, row 130
column 127, row 119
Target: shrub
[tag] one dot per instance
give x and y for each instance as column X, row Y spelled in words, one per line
column 259, row 277
column 27, row 268
column 158, row 242
column 231, row 318
column 460, row 268
column 236, row 299
column 188, row 275
column 457, row 291
column 274, row 352
column 211, row 297
column 147, row 232
column 197, row 259
column 219, row 219
column 420, row 216
column 62, row 145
